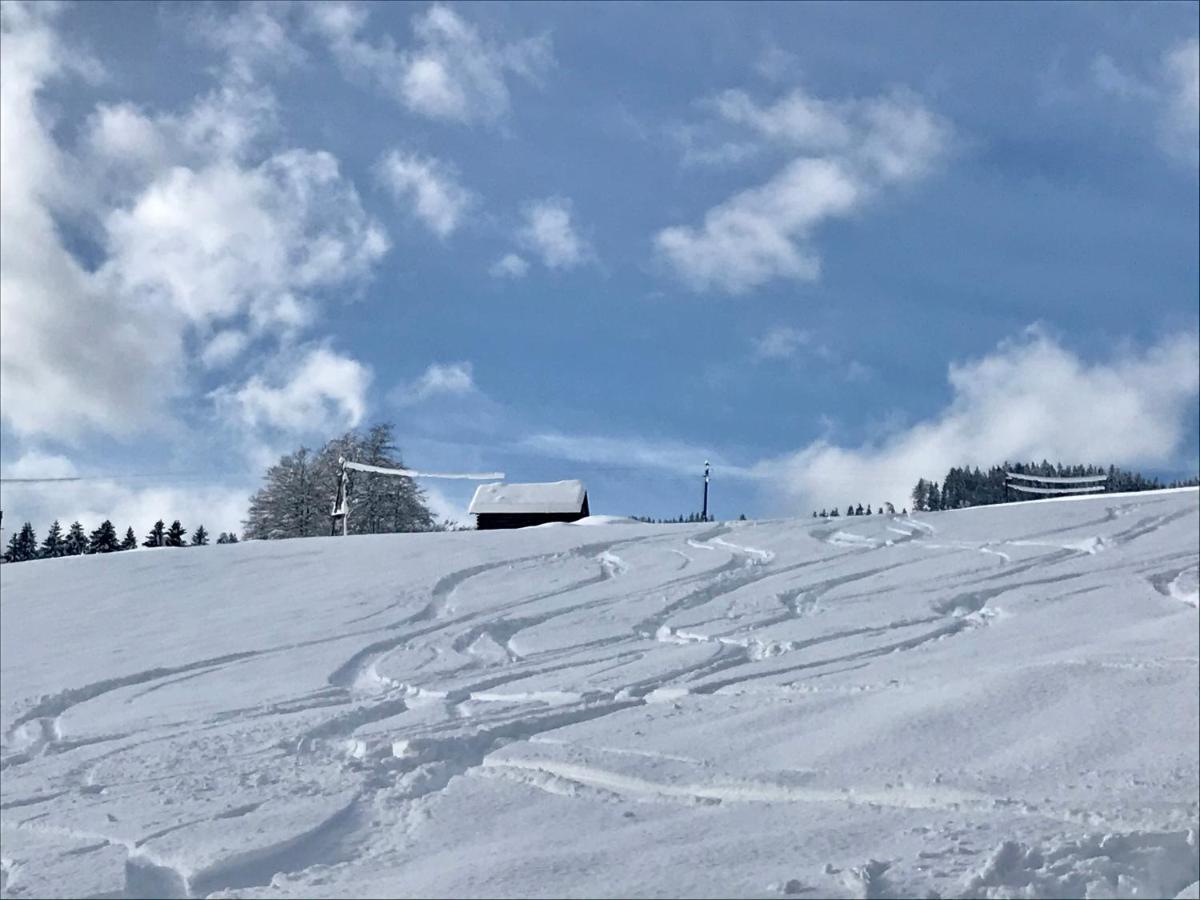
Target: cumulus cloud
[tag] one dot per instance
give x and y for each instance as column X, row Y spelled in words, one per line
column 1170, row 92
column 453, row 379
column 225, row 239
column 1030, row 399
column 844, row 153
column 548, row 231
column 68, row 362
column 208, row 240
column 510, row 265
column 429, row 187
column 316, row 390
column 452, row 72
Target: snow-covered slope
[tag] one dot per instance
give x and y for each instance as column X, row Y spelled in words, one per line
column 990, row 702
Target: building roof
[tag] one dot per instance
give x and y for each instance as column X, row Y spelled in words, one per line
column 549, row 497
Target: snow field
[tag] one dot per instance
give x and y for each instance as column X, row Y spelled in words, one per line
column 992, row 702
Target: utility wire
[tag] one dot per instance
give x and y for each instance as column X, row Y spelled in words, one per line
column 161, row 475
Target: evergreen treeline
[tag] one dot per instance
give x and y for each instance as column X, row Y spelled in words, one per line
column 300, row 489
column 690, row 518
column 23, row 545
column 964, row 487
column 852, row 510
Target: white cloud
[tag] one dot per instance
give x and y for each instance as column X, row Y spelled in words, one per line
column 1180, row 122
column 1030, row 399
column 510, row 265
column 314, row 391
column 252, row 36
column 805, row 122
column 752, row 237
column 549, row 232
column 38, row 464
column 451, row 73
column 223, row 348
column 69, row 361
column 125, row 503
column 225, row 239
column 781, row 342
column 844, row 154
column 431, row 188
column 443, row 508
column 201, row 229
column 1110, row 78
column 1170, row 93
column 453, row 379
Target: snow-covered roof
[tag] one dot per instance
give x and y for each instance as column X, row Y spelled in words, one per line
column 549, row 497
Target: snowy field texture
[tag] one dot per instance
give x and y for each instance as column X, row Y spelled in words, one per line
column 994, row 702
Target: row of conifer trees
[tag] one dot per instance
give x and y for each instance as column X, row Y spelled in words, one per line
column 963, row 486
column 23, row 545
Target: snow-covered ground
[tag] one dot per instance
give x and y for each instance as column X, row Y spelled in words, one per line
column 992, row 702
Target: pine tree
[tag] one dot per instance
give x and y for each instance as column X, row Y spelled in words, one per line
column 130, row 541
column 104, row 539
column 200, row 537
column 934, row 501
column 834, row 513
column 849, row 510
column 23, row 545
column 233, row 538
column 76, row 543
column 157, row 536
column 920, row 495
column 13, row 552
column 175, row 535
column 53, row 545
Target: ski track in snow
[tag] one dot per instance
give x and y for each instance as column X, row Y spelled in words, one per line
column 786, row 675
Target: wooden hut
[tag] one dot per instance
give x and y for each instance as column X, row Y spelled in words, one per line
column 520, row 505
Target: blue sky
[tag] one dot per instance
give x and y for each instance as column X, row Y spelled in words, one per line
column 829, row 247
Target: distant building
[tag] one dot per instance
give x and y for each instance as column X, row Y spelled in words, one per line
column 520, row 505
